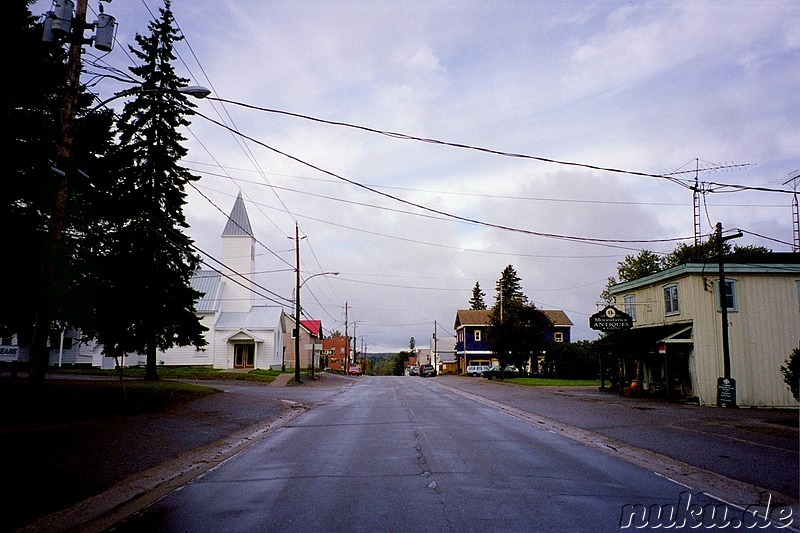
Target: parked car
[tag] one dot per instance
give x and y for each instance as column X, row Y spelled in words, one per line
column 507, row 372
column 355, row 370
column 477, row 370
column 413, row 371
column 427, row 371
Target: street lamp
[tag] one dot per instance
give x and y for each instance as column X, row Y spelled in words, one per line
column 297, row 312
column 195, row 91
column 297, row 325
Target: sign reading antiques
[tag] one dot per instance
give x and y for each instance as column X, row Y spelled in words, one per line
column 610, row 319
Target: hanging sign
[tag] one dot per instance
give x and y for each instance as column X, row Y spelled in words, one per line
column 610, row 319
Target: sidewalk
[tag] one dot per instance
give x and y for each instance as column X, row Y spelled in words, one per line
column 755, row 447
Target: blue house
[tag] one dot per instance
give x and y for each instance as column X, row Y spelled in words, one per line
column 472, row 345
column 472, row 326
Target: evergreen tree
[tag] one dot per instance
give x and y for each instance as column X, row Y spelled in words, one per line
column 477, row 302
column 47, row 266
column 144, row 301
column 517, row 328
column 509, row 288
column 29, row 131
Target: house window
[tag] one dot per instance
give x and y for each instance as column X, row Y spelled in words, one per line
column 477, row 335
column 558, row 336
column 671, row 300
column 731, row 298
column 630, row 305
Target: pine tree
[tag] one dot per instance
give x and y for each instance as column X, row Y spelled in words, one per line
column 29, row 133
column 517, row 328
column 49, row 267
column 145, row 302
column 509, row 287
column 477, row 302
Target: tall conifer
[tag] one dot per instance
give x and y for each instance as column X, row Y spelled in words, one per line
column 150, row 260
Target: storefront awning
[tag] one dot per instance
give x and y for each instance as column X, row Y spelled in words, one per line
column 647, row 337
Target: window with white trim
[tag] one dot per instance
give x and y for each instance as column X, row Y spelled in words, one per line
column 630, row 305
column 558, row 336
column 477, row 335
column 731, row 296
column 671, row 306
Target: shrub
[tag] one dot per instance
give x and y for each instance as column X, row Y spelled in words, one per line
column 791, row 372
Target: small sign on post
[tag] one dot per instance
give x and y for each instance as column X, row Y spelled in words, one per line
column 726, row 392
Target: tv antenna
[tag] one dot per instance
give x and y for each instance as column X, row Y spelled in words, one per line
column 699, row 189
column 794, row 176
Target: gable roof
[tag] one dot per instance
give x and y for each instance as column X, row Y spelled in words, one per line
column 557, row 317
column 480, row 317
column 472, row 317
column 238, row 222
column 313, row 326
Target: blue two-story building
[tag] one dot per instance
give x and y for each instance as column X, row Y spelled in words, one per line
column 472, row 327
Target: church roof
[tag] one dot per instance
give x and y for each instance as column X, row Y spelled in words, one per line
column 238, row 221
column 257, row 319
column 209, row 283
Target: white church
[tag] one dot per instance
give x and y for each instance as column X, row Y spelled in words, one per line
column 243, row 332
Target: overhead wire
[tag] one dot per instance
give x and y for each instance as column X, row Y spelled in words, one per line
column 438, row 211
column 404, row 136
column 458, row 248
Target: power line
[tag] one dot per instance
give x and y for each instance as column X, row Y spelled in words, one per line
column 438, row 211
column 404, row 136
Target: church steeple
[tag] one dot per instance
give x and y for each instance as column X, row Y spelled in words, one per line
column 238, row 221
column 238, row 257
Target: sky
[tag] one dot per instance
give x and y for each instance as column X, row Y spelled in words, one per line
column 561, row 137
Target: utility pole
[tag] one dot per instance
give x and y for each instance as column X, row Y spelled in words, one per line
column 726, row 386
column 297, row 308
column 40, row 355
column 355, row 343
column 346, row 341
column 435, row 353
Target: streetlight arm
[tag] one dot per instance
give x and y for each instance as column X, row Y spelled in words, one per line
column 319, row 274
column 196, row 91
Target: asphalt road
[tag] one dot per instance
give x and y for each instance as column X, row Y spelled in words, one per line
column 452, row 454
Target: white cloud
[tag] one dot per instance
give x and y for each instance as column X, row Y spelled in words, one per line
column 646, row 87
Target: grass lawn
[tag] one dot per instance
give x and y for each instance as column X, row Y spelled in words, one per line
column 74, row 400
column 552, row 382
column 78, row 399
column 178, row 372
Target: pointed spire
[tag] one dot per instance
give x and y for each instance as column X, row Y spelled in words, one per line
column 238, row 221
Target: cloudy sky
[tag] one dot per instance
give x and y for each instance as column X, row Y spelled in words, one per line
column 623, row 91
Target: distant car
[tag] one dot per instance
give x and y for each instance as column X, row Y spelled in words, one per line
column 413, row 371
column 495, row 372
column 355, row 370
column 477, row 370
column 427, row 371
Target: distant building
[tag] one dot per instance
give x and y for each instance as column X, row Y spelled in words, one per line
column 336, row 353
column 472, row 327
